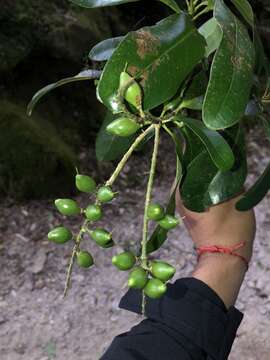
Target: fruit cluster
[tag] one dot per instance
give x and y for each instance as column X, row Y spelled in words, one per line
column 92, row 213
column 152, row 277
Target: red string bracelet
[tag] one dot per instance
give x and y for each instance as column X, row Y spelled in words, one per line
column 222, row 249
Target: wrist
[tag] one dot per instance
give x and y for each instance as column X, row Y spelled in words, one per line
column 223, row 273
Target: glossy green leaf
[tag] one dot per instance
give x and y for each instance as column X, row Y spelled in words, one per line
column 172, row 4
column 83, row 75
column 256, row 193
column 212, row 33
column 231, row 72
column 100, row 3
column 193, row 146
column 154, row 54
column 245, row 9
column 159, row 236
column 104, row 50
column 217, row 147
column 110, row 147
column 194, row 94
column 204, row 185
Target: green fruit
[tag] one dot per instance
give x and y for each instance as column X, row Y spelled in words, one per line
column 155, row 212
column 85, row 183
column 124, row 261
column 101, row 236
column 155, row 288
column 162, row 270
column 67, row 207
column 137, row 278
column 133, row 94
column 93, row 212
column 123, row 127
column 105, row 194
column 60, row 235
column 168, row 222
column 84, row 259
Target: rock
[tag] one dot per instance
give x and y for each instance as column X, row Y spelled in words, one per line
column 39, row 261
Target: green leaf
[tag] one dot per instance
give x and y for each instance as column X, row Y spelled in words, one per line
column 231, row 73
column 193, row 104
column 111, row 147
column 204, row 185
column 245, row 9
column 172, row 4
column 160, row 57
column 212, row 33
column 159, row 236
column 217, row 147
column 83, row 75
column 256, row 193
column 104, row 50
column 100, row 3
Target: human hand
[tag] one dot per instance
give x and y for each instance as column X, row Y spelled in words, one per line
column 220, row 225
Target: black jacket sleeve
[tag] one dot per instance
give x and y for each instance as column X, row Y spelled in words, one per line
column 190, row 322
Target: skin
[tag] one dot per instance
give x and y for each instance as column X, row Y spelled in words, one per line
column 225, row 226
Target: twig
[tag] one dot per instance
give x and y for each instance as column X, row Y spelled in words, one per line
column 147, row 203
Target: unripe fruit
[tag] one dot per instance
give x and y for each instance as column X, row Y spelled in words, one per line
column 133, row 93
column 85, row 183
column 101, row 236
column 155, row 288
column 93, row 212
column 84, row 259
column 137, row 278
column 124, row 261
column 155, row 212
column 162, row 270
column 123, row 127
column 105, row 194
column 67, row 207
column 60, row 235
column 168, row 222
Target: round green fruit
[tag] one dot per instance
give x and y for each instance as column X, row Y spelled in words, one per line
column 155, row 212
column 85, row 183
column 133, row 94
column 124, row 261
column 101, row 236
column 93, row 212
column 67, row 207
column 105, row 194
column 84, row 259
column 123, row 127
column 162, row 270
column 168, row 222
column 155, row 288
column 137, row 278
column 60, row 235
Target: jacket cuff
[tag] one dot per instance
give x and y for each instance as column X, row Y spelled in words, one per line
column 194, row 310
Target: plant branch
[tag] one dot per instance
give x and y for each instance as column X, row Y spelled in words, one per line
column 146, row 205
column 127, row 155
column 72, row 258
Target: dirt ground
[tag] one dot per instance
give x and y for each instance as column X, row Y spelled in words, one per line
column 36, row 323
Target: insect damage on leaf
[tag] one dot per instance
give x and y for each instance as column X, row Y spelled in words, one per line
column 146, row 42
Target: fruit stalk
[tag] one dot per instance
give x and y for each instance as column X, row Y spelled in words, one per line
column 146, row 206
column 127, row 155
column 72, row 258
